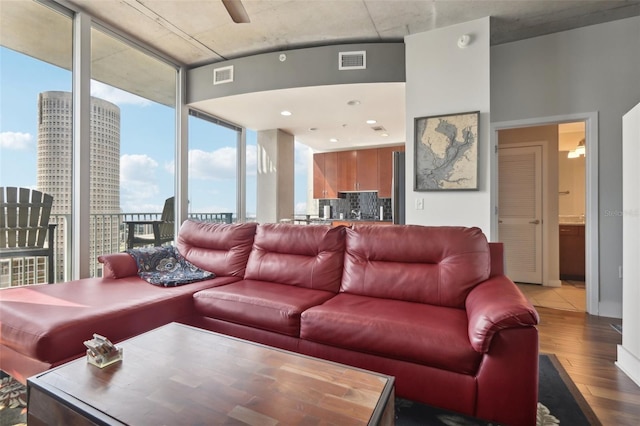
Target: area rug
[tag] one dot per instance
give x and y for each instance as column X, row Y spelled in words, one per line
column 560, row 403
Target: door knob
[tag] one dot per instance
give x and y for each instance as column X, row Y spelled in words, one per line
column 535, row 222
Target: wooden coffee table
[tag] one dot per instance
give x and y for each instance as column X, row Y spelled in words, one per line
column 181, row 375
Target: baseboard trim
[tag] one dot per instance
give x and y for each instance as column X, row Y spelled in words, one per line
column 553, row 283
column 629, row 364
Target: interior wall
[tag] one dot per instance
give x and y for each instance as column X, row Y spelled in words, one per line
column 442, row 78
column 590, row 69
column 314, row 66
column 548, row 137
column 629, row 351
column 571, row 180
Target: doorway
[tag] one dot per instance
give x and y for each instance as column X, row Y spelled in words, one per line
column 551, row 200
column 571, row 201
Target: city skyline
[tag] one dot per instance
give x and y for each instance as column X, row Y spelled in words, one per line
column 146, row 149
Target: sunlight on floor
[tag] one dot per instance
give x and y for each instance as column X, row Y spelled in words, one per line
column 570, row 297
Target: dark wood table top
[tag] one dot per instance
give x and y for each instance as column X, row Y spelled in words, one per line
column 178, row 374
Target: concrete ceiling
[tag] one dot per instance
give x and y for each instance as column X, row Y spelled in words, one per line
column 197, row 32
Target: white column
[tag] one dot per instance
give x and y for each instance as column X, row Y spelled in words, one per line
column 181, row 191
column 81, row 163
column 275, row 184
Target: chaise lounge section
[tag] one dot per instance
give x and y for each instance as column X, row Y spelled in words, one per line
column 43, row 326
column 428, row 305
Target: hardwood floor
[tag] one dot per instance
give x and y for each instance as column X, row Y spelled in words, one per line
column 586, row 346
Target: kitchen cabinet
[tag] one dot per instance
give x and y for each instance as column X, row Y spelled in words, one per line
column 325, row 175
column 358, row 170
column 367, row 170
column 385, row 170
column 346, row 171
column 353, row 171
column 572, row 252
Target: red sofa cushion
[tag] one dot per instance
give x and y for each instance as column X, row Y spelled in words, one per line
column 220, row 248
column 302, row 256
column 50, row 322
column 434, row 265
column 264, row 305
column 435, row 336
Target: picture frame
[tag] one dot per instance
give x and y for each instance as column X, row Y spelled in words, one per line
column 446, row 152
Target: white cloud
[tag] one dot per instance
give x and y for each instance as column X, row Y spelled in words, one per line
column 116, row 96
column 137, row 168
column 302, row 154
column 16, row 140
column 219, row 164
column 216, row 165
column 252, row 160
column 138, row 183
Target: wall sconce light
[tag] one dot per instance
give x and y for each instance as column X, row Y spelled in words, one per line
column 579, row 151
column 464, row 40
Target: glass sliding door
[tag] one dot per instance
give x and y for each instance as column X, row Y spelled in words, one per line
column 35, row 129
column 213, row 168
column 133, row 98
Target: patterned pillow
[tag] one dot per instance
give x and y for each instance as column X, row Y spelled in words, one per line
column 165, row 266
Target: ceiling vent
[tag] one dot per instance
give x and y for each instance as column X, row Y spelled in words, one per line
column 352, row 60
column 223, row 75
column 378, row 129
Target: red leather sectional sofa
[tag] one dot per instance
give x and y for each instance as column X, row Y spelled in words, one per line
column 428, row 305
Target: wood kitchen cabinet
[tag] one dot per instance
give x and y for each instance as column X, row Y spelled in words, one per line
column 353, row 171
column 325, row 175
column 385, row 170
column 346, row 171
column 358, row 170
column 572, row 252
column 367, row 170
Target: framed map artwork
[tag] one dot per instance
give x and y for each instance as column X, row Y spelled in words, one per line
column 446, row 152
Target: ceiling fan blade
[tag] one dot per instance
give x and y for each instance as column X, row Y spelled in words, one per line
column 236, row 11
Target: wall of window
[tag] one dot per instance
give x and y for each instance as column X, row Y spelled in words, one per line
column 36, row 57
column 213, row 165
column 133, row 100
column 132, row 133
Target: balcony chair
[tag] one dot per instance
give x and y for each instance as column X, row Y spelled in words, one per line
column 162, row 229
column 24, row 225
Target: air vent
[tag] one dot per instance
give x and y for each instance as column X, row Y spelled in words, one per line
column 223, row 75
column 352, row 60
column 378, row 129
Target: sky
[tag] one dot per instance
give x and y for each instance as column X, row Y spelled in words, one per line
column 146, row 145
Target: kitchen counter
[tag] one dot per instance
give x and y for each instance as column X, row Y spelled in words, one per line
column 350, row 222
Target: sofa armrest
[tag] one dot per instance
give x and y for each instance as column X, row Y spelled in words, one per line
column 493, row 305
column 118, row 265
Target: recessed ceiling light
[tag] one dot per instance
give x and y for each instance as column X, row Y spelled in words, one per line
column 384, row 135
column 371, row 121
column 285, row 113
column 333, row 140
column 353, row 102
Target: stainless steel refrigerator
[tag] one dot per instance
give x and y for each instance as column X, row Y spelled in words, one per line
column 398, row 191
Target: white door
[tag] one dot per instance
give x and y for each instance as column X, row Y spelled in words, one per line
column 520, row 212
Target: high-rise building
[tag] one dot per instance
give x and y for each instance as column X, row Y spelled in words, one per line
column 55, row 132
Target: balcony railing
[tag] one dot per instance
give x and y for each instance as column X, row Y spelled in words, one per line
column 108, row 235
